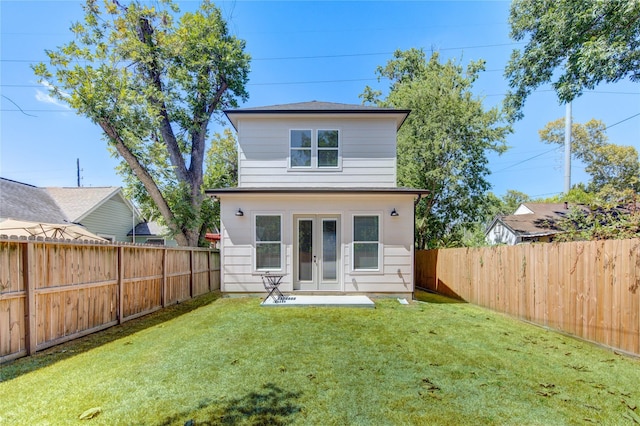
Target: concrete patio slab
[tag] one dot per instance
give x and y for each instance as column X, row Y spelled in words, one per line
column 353, row 301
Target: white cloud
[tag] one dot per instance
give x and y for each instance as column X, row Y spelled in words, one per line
column 46, row 98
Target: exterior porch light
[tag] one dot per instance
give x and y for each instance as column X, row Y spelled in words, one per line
column 239, row 212
column 394, row 213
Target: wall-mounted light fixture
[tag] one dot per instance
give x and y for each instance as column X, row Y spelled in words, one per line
column 239, row 212
column 394, row 213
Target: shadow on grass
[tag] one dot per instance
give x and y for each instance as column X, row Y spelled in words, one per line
column 428, row 297
column 271, row 405
column 49, row 356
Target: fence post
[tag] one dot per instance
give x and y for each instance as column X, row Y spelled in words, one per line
column 209, row 270
column 193, row 274
column 120, row 285
column 164, row 278
column 29, row 264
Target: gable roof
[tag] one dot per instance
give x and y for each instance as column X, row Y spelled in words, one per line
column 27, row 202
column 149, row 229
column 316, row 107
column 78, row 203
column 543, row 220
column 548, row 209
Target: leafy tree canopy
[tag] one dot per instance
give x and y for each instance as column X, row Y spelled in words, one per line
column 443, row 144
column 153, row 79
column 614, row 169
column 602, row 223
column 221, row 168
column 575, row 44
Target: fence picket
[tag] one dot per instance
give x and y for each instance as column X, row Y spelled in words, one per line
column 588, row 289
column 53, row 291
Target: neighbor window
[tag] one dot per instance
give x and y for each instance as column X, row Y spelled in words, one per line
column 314, row 149
column 366, row 239
column 268, row 232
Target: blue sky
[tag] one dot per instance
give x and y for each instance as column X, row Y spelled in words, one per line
column 302, row 51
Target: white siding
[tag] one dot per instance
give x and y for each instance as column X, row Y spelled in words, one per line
column 500, row 234
column 367, row 146
column 396, row 271
column 522, row 209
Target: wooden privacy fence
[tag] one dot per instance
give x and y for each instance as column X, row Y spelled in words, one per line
column 587, row 289
column 54, row 291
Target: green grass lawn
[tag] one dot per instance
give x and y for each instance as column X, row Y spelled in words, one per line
column 231, row 361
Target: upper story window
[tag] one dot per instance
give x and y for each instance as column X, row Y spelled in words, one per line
column 314, row 149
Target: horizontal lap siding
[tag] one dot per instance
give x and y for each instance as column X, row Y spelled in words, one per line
column 367, row 150
column 396, row 271
column 113, row 217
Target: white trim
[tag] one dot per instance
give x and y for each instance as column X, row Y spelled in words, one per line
column 380, row 269
column 310, row 166
column 254, row 267
column 316, row 282
column 314, row 167
column 338, row 166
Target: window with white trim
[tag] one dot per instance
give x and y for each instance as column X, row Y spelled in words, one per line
column 268, row 240
column 366, row 242
column 314, row 149
column 301, row 148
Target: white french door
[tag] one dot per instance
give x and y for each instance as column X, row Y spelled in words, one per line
column 316, row 252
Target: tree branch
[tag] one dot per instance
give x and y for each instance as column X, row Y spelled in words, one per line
column 146, row 179
column 145, row 33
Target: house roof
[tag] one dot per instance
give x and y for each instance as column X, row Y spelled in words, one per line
column 78, row 203
column 148, row 229
column 543, row 220
column 315, row 190
column 27, row 202
column 316, row 107
column 549, row 209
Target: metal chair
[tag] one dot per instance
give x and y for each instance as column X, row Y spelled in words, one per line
column 271, row 283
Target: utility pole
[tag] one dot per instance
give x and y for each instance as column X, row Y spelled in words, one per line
column 78, row 170
column 567, row 149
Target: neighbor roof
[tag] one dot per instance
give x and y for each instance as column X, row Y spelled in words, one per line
column 27, row 202
column 543, row 220
column 77, row 203
column 316, row 107
column 148, row 229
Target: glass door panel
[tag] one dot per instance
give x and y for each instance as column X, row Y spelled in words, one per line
column 305, row 250
column 316, row 253
column 329, row 249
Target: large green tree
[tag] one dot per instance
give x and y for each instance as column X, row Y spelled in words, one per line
column 444, row 142
column 153, row 79
column 221, row 161
column 575, row 44
column 221, row 168
column 614, row 169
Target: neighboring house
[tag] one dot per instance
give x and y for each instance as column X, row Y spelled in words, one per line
column 151, row 233
column 317, row 201
column 104, row 211
column 531, row 222
column 21, row 201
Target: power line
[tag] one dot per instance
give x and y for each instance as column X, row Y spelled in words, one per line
column 525, row 160
column 622, row 121
column 346, row 55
